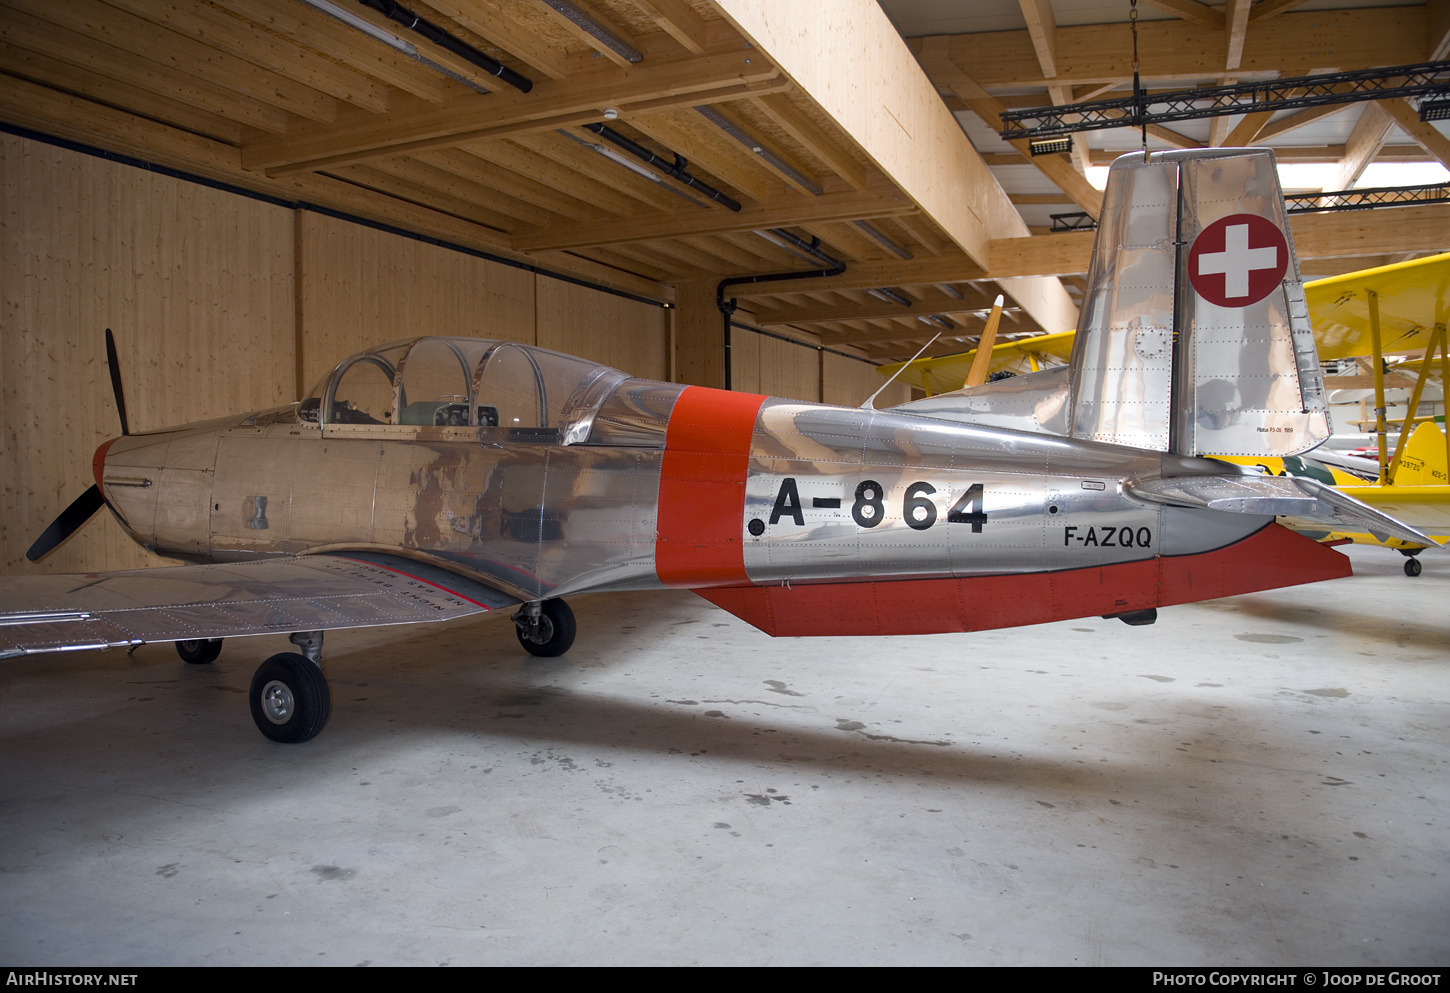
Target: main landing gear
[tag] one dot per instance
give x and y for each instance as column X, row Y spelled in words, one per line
column 289, row 698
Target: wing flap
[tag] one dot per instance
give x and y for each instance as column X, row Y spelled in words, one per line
column 268, row 596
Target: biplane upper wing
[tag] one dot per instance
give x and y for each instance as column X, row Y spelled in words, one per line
column 1412, row 297
column 265, row 596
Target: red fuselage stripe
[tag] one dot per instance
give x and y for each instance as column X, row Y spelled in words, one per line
column 702, row 488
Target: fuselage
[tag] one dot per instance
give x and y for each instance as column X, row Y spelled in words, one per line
column 653, row 484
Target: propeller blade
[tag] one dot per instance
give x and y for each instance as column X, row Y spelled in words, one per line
column 69, row 521
column 982, row 364
column 115, row 383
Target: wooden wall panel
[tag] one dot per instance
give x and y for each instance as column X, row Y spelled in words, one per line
column 605, row 328
column 359, row 287
column 197, row 285
column 745, row 361
column 848, row 383
column 786, row 370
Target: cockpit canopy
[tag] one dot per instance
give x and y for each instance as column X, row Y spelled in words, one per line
column 458, row 382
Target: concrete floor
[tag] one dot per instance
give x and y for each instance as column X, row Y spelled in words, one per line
column 1259, row 780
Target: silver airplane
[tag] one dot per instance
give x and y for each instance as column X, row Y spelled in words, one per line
column 434, row 478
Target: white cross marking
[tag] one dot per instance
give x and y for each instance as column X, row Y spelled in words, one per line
column 1237, row 260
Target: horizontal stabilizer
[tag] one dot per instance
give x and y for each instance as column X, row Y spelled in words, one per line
column 1282, row 496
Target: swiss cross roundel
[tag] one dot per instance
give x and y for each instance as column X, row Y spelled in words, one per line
column 1238, row 260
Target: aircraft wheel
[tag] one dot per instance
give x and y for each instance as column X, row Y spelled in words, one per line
column 290, row 699
column 554, row 633
column 199, row 652
column 1413, row 567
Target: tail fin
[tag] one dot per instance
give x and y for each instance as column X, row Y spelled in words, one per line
column 1424, row 461
column 1194, row 337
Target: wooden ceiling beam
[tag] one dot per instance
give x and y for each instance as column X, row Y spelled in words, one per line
column 679, row 21
column 229, row 33
column 1295, row 121
column 1424, row 228
column 54, row 73
column 781, row 210
column 708, row 149
column 509, row 183
column 490, row 19
column 1365, row 142
column 107, row 62
column 914, row 332
column 314, row 29
column 1192, row 11
column 588, row 39
column 1426, row 135
column 1058, row 168
column 1235, row 30
column 1265, row 9
column 902, row 126
column 588, row 167
column 782, row 110
column 209, row 67
column 872, row 275
column 580, row 98
column 1101, row 53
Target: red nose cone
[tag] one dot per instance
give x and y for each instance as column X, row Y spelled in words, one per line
column 98, row 461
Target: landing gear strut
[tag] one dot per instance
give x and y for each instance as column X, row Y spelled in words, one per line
column 289, row 696
column 1412, row 563
column 545, row 627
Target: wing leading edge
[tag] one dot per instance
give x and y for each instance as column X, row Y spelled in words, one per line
column 268, row 596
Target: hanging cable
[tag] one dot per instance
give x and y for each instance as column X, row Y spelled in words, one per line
column 1139, row 110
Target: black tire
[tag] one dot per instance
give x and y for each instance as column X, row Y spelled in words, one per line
column 555, row 634
column 199, row 652
column 290, row 700
column 1413, row 567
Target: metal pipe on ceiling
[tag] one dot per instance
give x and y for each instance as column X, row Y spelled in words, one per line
column 441, row 38
column 675, row 169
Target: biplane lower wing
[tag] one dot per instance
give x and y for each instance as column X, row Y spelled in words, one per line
column 227, row 600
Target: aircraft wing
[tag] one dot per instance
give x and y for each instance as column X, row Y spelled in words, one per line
column 1413, row 298
column 945, row 373
column 266, row 596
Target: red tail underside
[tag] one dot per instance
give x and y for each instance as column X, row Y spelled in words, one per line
column 1268, row 559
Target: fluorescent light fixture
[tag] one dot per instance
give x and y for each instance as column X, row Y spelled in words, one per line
column 888, row 295
column 596, row 30
column 729, row 127
column 391, row 40
column 631, row 165
column 782, row 243
column 880, row 238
